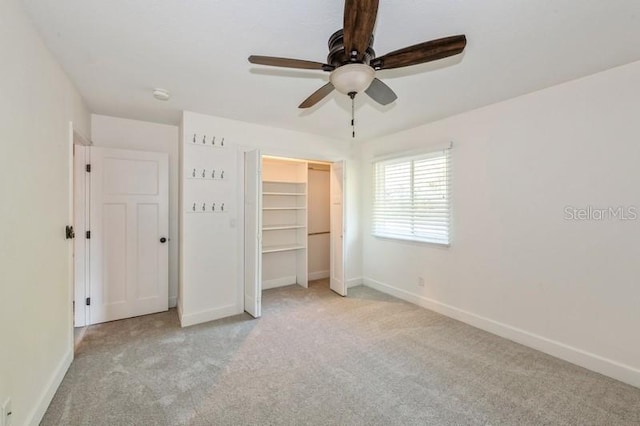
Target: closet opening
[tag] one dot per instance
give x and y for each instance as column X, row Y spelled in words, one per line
column 298, row 223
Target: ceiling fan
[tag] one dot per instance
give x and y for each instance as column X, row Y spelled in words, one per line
column 352, row 61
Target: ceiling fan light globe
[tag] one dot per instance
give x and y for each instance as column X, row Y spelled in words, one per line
column 352, row 78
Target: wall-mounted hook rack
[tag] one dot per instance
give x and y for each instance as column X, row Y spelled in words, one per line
column 213, row 143
column 207, row 207
column 206, row 174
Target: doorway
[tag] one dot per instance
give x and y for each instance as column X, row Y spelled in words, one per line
column 121, row 222
column 294, row 224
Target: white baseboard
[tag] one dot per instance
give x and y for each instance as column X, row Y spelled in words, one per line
column 354, row 282
column 207, row 315
column 35, row 417
column 318, row 275
column 588, row 360
column 173, row 301
column 279, row 282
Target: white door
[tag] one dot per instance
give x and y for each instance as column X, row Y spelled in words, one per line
column 252, row 233
column 129, row 233
column 337, row 281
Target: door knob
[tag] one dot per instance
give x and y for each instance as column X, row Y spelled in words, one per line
column 163, row 240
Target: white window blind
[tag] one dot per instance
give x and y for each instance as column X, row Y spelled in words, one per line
column 412, row 198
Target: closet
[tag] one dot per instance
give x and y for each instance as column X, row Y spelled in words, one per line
column 293, row 225
column 284, row 223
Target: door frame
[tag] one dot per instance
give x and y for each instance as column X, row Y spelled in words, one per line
column 269, row 153
column 79, row 209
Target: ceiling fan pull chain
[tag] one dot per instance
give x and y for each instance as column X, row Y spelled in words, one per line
column 352, row 95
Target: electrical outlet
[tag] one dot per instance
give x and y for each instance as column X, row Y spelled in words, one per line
column 420, row 282
column 6, row 413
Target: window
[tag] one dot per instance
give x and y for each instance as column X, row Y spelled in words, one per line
column 412, row 198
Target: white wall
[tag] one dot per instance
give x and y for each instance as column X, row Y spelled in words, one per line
column 37, row 102
column 211, row 264
column 516, row 266
column 112, row 132
column 319, row 221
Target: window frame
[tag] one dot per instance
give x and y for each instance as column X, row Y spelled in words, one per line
column 412, row 158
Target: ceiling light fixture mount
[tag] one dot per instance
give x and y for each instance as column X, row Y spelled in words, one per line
column 161, row 94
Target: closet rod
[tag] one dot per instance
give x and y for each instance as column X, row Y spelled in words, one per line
column 318, row 233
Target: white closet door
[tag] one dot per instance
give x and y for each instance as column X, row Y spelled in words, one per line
column 337, row 280
column 252, row 234
column 129, row 223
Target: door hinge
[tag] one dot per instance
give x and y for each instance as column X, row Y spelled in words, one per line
column 88, row 235
column 88, row 168
column 88, row 301
column 69, row 232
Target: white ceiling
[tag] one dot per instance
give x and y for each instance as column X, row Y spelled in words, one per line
column 117, row 51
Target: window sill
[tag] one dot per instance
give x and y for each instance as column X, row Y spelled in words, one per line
column 412, row 240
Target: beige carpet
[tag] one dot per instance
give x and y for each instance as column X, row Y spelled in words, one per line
column 317, row 358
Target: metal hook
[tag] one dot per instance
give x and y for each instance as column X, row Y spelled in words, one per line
column 213, row 174
column 194, row 138
column 194, row 173
column 194, row 207
column 213, row 207
column 213, row 141
column 204, row 173
column 222, row 207
column 204, row 206
column 222, row 143
column 222, row 175
column 204, row 139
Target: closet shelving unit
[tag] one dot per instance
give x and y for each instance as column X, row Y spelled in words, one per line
column 284, row 223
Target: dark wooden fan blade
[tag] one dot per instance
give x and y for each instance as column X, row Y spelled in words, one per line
column 289, row 63
column 317, row 96
column 421, row 53
column 359, row 21
column 380, row 92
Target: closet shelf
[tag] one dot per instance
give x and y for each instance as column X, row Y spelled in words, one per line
column 283, row 181
column 279, row 227
column 284, row 208
column 285, row 193
column 281, row 247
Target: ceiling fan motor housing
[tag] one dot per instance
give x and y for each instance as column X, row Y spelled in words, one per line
column 337, row 55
